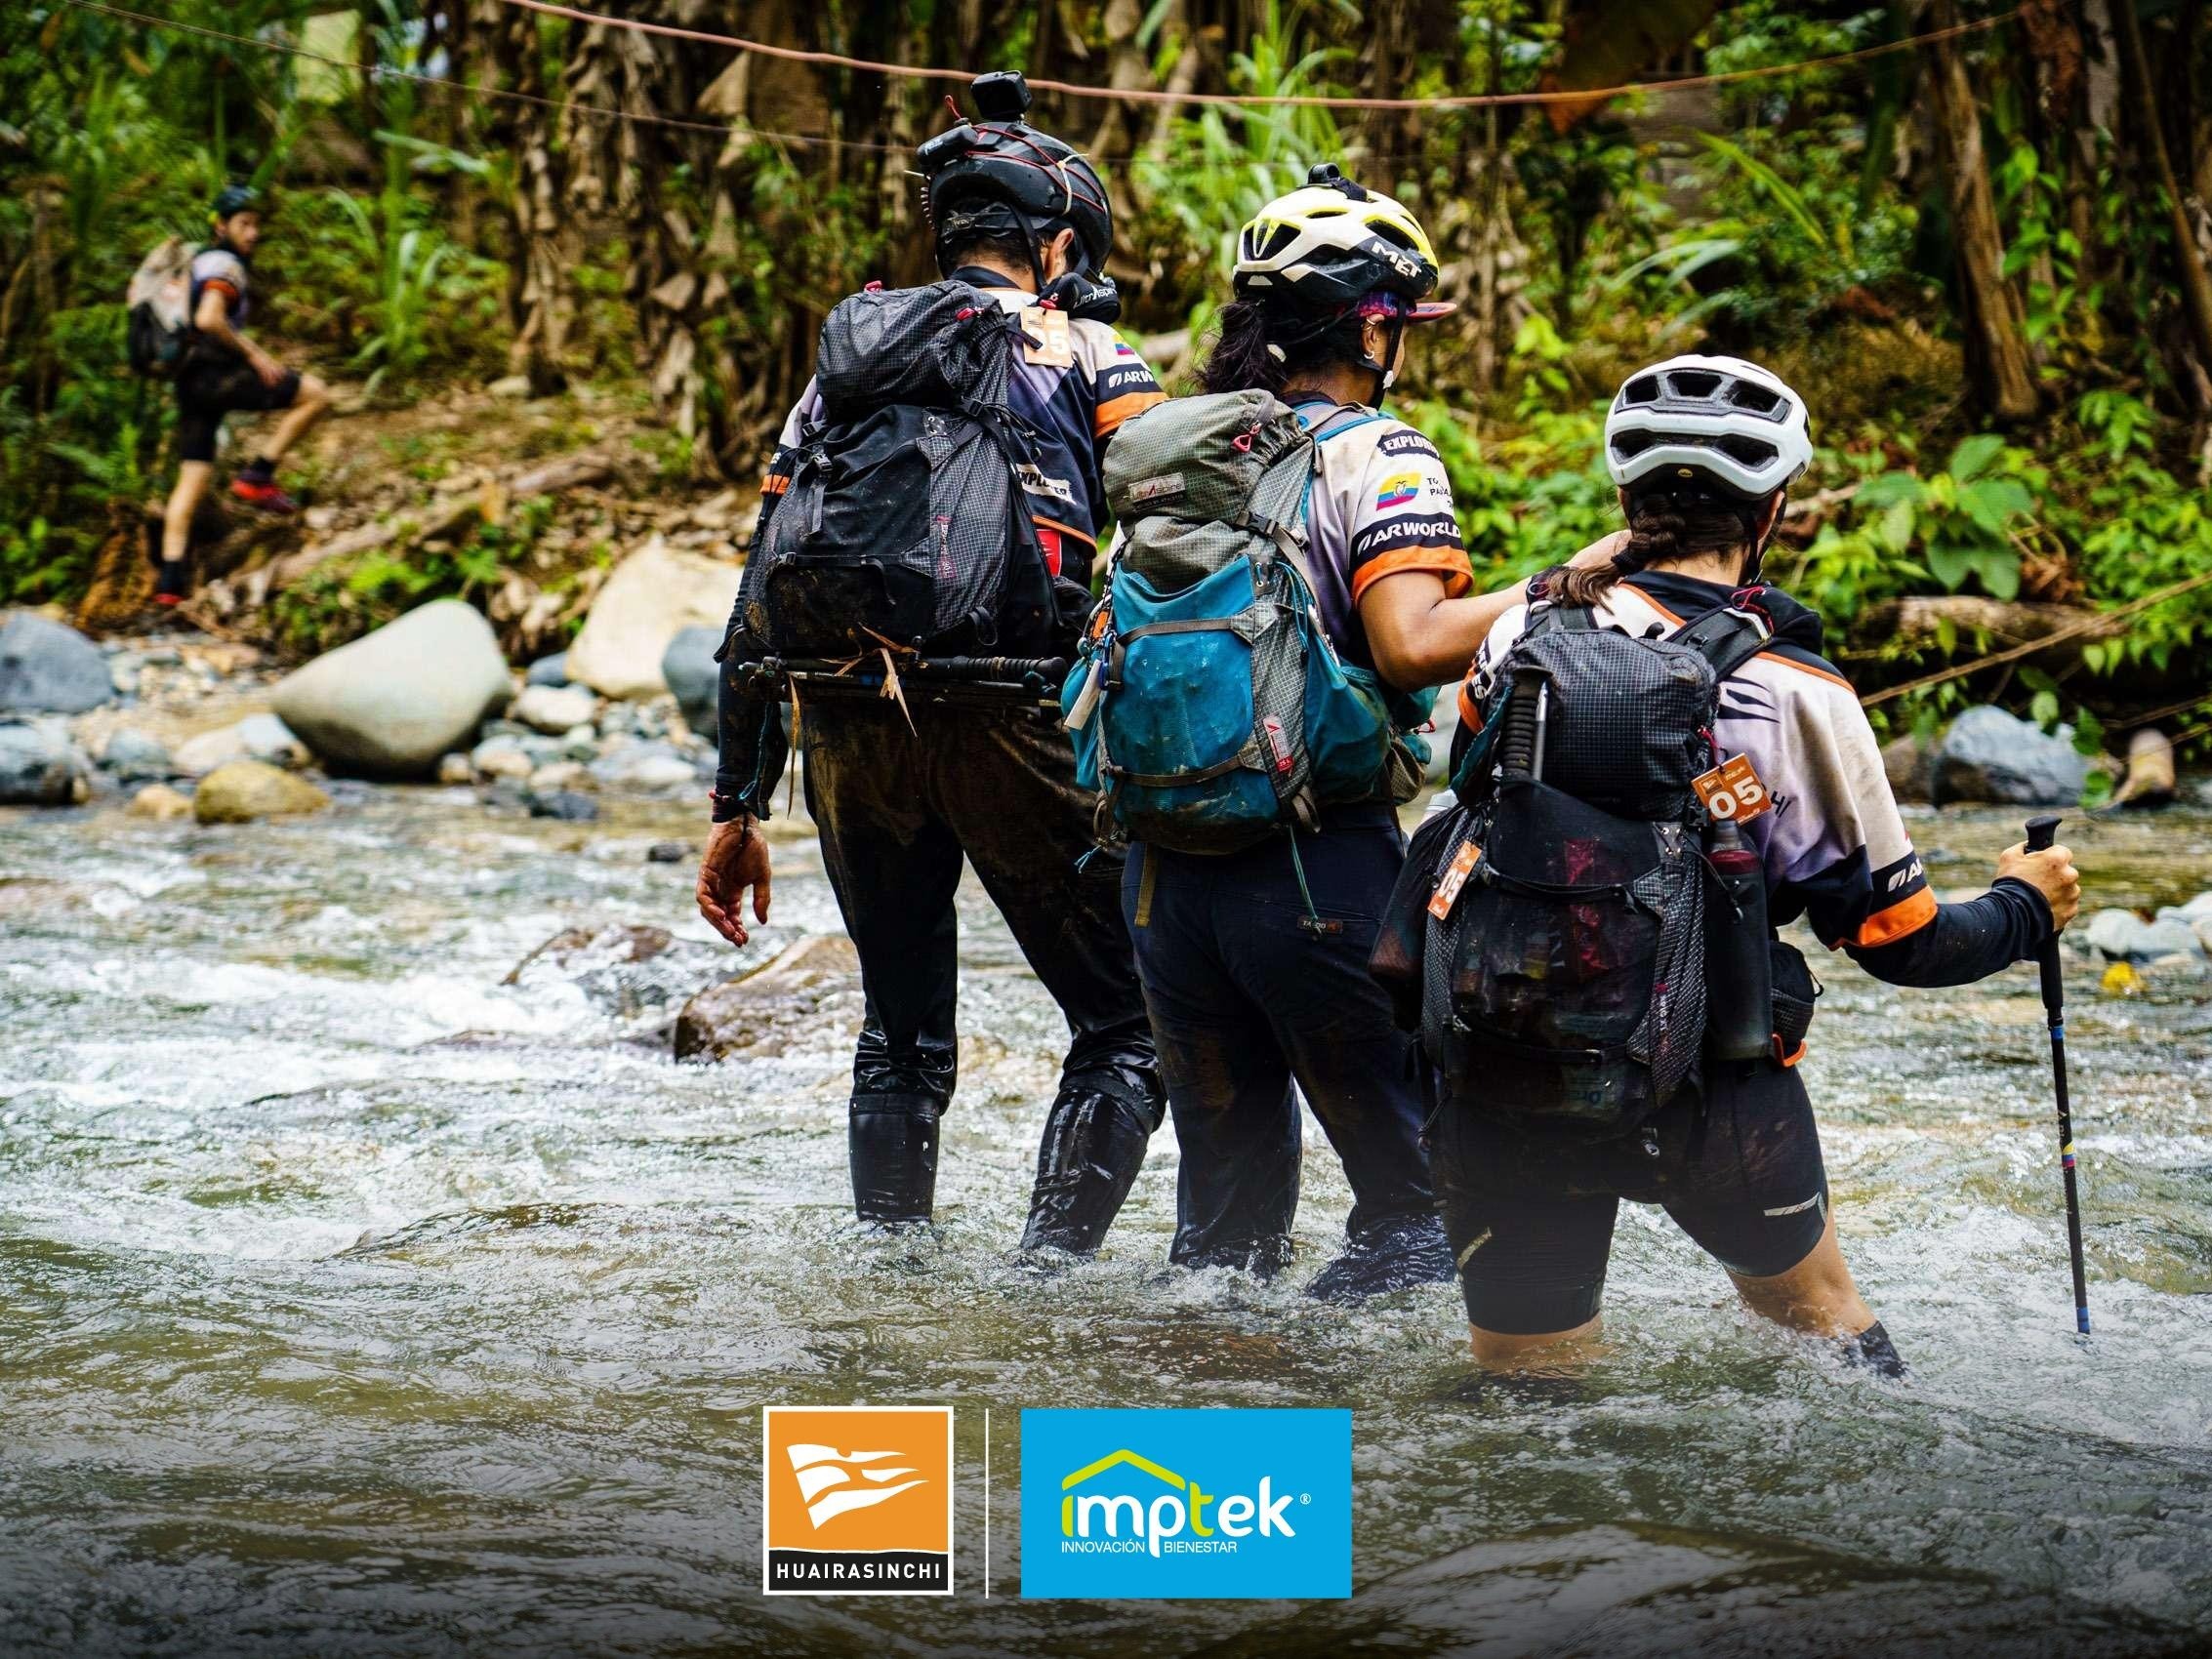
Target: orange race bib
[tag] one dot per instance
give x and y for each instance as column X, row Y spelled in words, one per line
column 1732, row 790
column 1448, row 890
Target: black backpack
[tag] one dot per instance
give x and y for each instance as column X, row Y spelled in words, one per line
column 1548, row 934
column 905, row 523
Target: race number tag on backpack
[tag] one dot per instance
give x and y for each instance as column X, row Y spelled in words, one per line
column 1462, row 866
column 1045, row 341
column 1731, row 790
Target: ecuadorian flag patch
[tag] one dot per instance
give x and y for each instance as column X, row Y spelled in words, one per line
column 1397, row 490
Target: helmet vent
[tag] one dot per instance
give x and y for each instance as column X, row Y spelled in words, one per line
column 1749, row 451
column 1392, row 233
column 1693, row 383
column 1278, row 239
column 1745, row 395
column 1326, row 213
column 1643, row 390
column 1627, row 445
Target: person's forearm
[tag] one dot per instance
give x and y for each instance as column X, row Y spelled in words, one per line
column 1964, row 943
column 1438, row 648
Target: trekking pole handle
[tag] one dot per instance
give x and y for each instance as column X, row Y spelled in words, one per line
column 2042, row 835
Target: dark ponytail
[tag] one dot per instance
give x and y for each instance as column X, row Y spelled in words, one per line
column 1258, row 348
column 1666, row 526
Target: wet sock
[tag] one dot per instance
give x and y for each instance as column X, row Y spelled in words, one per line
column 1873, row 1351
column 173, row 584
column 259, row 471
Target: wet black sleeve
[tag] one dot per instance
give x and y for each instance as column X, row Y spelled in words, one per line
column 1964, row 943
column 754, row 741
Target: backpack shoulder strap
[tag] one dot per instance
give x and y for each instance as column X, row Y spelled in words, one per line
column 1726, row 637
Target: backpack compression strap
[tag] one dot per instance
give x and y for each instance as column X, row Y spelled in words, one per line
column 1726, row 637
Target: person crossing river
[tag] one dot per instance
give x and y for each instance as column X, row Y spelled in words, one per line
column 1655, row 737
column 913, row 449
column 1254, row 947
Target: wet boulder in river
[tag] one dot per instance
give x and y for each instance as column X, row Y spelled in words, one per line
column 2122, row 936
column 131, row 754
column 39, row 766
column 627, row 969
column 248, row 789
column 160, row 804
column 652, row 597
column 692, row 673
column 1988, row 755
column 809, row 996
column 47, row 667
column 395, row 701
column 553, row 710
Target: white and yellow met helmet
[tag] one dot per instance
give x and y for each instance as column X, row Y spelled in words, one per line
column 1330, row 244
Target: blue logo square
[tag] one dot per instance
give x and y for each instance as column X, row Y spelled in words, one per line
column 1186, row 1503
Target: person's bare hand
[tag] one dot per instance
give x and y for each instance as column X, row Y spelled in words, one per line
column 267, row 367
column 736, row 859
column 2050, row 872
column 1599, row 551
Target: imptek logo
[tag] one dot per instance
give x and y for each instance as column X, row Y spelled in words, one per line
column 858, row 1499
column 1172, row 1514
column 1186, row 1503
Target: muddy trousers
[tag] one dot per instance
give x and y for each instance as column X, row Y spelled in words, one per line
column 1250, row 991
column 898, row 810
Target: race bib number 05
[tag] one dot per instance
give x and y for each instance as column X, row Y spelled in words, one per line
column 1731, row 790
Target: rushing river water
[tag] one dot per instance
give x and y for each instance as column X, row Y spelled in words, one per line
column 353, row 1301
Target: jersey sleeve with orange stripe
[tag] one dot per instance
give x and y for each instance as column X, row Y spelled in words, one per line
column 1122, row 383
column 1402, row 515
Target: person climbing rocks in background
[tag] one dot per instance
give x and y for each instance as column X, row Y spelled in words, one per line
column 222, row 373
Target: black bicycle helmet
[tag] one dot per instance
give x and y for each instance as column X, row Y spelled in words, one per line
column 235, row 198
column 997, row 176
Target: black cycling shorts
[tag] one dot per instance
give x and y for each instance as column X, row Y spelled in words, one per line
column 210, row 387
column 1529, row 1206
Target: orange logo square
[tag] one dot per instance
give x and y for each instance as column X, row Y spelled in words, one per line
column 856, row 1500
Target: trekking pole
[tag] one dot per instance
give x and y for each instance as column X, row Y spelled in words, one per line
column 2041, row 833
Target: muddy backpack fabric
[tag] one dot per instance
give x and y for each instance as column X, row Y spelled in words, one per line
column 905, row 523
column 1551, row 930
column 1208, row 707
column 159, row 309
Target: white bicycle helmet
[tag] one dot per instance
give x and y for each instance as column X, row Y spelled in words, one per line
column 1721, row 418
column 1331, row 243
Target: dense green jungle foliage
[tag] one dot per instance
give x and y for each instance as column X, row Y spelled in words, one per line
column 1982, row 256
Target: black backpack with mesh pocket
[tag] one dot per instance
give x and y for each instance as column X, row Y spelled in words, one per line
column 905, row 523
column 1551, row 930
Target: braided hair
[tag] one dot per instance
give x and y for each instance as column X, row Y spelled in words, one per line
column 1260, row 346
column 1667, row 525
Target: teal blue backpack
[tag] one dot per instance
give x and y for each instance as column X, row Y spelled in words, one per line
column 1207, row 705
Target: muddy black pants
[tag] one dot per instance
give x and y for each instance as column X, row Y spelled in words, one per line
column 897, row 811
column 1248, row 992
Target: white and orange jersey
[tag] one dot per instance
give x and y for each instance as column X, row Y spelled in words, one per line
column 1381, row 503
column 1834, row 847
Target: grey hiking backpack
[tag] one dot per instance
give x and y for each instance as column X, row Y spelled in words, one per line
column 1209, row 705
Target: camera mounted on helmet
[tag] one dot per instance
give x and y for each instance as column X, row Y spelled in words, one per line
column 996, row 178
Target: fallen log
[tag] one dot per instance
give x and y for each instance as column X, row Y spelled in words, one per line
column 488, row 503
column 1926, row 620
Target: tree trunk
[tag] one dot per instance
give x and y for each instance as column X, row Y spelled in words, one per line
column 2189, row 258
column 1996, row 335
